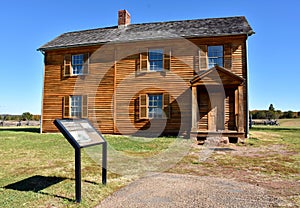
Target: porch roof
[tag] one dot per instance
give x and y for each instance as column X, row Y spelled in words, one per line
column 216, row 75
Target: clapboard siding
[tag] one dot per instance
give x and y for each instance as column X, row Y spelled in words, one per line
column 114, row 84
column 98, row 86
column 130, row 85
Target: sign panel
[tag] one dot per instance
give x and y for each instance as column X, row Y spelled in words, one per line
column 82, row 132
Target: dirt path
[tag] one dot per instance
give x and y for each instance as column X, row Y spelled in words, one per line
column 175, row 190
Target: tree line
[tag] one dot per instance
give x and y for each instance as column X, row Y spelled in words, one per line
column 271, row 113
column 26, row 116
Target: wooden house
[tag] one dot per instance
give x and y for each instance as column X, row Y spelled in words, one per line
column 186, row 78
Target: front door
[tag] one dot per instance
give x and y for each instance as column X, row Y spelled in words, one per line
column 216, row 114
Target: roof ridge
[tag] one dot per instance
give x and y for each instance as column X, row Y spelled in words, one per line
column 205, row 27
column 159, row 22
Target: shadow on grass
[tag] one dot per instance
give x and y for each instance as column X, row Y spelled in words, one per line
column 21, row 129
column 37, row 184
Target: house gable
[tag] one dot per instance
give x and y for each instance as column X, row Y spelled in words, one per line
column 215, row 76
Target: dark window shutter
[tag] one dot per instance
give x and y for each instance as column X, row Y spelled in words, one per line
column 166, row 106
column 197, row 61
column 227, row 56
column 138, row 63
column 86, row 63
column 67, row 65
column 203, row 57
column 167, row 58
column 136, row 108
column 144, row 60
column 84, row 106
column 143, row 106
column 66, row 107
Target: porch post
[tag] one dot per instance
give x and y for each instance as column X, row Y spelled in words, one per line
column 194, row 109
column 240, row 109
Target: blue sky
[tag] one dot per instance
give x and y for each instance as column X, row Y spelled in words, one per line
column 26, row 25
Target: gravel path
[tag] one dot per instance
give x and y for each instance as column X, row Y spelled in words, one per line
column 174, row 190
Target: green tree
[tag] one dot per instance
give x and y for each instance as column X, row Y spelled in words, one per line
column 3, row 118
column 260, row 115
column 288, row 114
column 36, row 117
column 278, row 113
column 27, row 117
column 271, row 108
column 270, row 114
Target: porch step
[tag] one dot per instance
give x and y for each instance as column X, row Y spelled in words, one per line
column 216, row 141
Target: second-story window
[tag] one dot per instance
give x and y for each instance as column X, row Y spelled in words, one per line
column 156, row 57
column 215, row 56
column 77, row 64
column 154, row 60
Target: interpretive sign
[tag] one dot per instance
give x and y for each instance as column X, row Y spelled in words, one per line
column 80, row 133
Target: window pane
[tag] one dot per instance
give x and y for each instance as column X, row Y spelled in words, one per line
column 215, row 56
column 156, row 59
column 155, row 106
column 156, row 65
column 77, row 64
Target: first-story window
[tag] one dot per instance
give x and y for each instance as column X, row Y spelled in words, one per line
column 155, row 106
column 75, row 106
column 215, row 56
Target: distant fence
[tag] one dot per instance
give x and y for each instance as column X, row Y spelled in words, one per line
column 272, row 122
column 19, row 123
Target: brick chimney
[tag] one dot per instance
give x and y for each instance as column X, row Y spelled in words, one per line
column 124, row 18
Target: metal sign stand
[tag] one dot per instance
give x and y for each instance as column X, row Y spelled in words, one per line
column 80, row 134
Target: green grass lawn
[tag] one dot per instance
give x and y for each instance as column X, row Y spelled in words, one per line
column 37, row 170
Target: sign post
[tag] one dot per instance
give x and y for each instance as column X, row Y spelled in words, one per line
column 80, row 134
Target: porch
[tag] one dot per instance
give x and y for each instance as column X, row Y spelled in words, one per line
column 217, row 106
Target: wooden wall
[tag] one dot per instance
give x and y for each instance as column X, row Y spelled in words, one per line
column 113, row 83
column 130, row 83
column 98, row 86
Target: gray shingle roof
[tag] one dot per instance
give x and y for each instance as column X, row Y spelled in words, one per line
column 148, row 31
